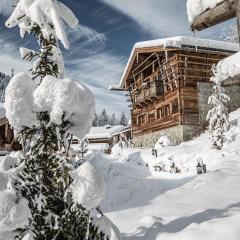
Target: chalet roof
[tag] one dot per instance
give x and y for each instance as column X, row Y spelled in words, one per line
column 179, row 42
column 105, row 132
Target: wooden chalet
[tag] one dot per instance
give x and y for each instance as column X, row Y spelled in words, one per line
column 103, row 138
column 7, row 141
column 163, row 78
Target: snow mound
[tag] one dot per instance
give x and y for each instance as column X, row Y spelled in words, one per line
column 19, row 102
column 14, row 212
column 66, row 100
column 105, row 225
column 44, row 13
column 163, row 141
column 88, row 187
column 28, row 237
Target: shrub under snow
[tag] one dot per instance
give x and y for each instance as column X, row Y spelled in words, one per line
column 163, row 141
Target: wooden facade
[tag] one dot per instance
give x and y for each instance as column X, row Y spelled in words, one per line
column 162, row 84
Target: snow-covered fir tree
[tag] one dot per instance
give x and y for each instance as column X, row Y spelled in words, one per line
column 103, row 118
column 113, row 120
column 95, row 120
column 4, row 80
column 218, row 117
column 43, row 113
column 123, row 119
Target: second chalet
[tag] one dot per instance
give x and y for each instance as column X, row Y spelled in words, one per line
column 168, row 81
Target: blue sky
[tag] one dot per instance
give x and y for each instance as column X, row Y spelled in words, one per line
column 101, row 44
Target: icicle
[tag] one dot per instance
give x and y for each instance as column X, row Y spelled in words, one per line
column 195, row 35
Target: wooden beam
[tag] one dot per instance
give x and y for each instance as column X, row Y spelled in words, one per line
column 224, row 11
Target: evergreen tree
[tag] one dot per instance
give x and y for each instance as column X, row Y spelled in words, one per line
column 218, row 116
column 45, row 178
column 4, row 80
column 123, row 119
column 95, row 121
column 113, row 120
column 103, row 118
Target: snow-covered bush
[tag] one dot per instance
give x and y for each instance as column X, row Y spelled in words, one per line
column 163, row 141
column 218, row 117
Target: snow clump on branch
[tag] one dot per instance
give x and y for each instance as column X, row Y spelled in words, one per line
column 44, row 13
column 65, row 100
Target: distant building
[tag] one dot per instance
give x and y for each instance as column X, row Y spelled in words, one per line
column 168, row 81
column 102, row 138
column 7, row 141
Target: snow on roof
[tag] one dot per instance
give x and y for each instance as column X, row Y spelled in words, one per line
column 2, row 110
column 229, row 67
column 197, row 7
column 104, row 132
column 181, row 42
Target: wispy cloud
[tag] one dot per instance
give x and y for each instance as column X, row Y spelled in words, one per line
column 87, row 60
column 159, row 17
column 10, row 58
column 6, row 6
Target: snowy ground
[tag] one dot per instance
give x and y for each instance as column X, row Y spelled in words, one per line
column 149, row 205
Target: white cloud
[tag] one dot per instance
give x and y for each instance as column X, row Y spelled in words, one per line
column 98, row 72
column 10, row 59
column 6, row 6
column 159, row 17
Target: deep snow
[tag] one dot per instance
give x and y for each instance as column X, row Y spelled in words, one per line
column 149, row 205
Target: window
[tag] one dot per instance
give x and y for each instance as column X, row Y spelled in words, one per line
column 151, row 117
column 167, row 110
column 141, row 119
column 160, row 112
column 175, row 106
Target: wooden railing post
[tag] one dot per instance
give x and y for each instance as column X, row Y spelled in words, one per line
column 237, row 4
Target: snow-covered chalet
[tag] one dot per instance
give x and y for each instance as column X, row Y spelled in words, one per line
column 168, row 84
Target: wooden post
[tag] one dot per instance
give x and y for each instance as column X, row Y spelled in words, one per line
column 237, row 4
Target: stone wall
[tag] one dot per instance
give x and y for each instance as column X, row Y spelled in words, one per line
column 176, row 134
column 205, row 90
